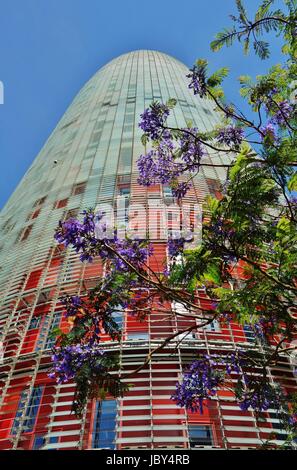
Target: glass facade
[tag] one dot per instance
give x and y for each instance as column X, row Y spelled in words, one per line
column 200, row 435
column 90, row 159
column 104, row 431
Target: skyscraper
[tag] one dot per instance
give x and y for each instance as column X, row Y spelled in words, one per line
column 89, row 160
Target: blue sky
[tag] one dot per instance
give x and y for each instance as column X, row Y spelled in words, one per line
column 50, row 48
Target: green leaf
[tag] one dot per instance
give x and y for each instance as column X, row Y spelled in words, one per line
column 171, row 103
column 261, row 48
column 292, row 183
column 283, row 227
column 240, row 162
column 217, row 77
column 245, row 148
column 242, row 12
column 192, row 285
column 144, row 139
column 224, row 38
column 244, row 79
column 55, row 332
column 201, row 63
column 212, row 274
column 246, row 45
column 212, row 203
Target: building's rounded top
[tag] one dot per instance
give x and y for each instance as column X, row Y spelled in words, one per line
column 145, row 53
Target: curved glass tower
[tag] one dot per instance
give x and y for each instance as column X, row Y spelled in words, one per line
column 90, row 159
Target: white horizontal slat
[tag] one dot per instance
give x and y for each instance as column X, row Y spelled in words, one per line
column 60, row 445
column 73, row 432
column 64, row 423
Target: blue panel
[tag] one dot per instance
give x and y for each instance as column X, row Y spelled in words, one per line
column 104, row 424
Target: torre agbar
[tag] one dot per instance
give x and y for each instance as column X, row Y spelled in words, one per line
column 90, row 160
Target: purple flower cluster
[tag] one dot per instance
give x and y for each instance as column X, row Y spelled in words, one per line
column 68, row 360
column 282, row 112
column 197, row 76
column 199, row 383
column 72, row 304
column 132, row 251
column 220, row 228
column 163, row 164
column 191, row 149
column 258, row 396
column 202, row 380
column 251, row 391
column 69, row 232
column 159, row 165
column 153, row 120
column 293, row 420
column 235, row 361
column 269, row 131
column 230, row 135
column 83, row 237
column 179, row 190
column 175, row 246
column 258, row 329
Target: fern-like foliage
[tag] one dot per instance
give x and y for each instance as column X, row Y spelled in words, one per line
column 266, row 20
column 216, row 78
column 242, row 12
column 261, row 48
column 224, row 38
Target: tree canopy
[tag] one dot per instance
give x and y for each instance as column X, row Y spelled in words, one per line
column 246, row 262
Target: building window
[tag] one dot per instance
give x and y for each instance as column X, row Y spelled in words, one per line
column 167, row 192
column 19, row 412
column 33, row 279
column 123, row 205
column 124, row 191
column 26, row 232
column 104, row 424
column 200, row 435
column 50, row 342
column 61, row 203
column 137, row 335
column 249, row 334
column 34, row 323
column 78, row 189
column 40, row 441
column 118, row 317
column 40, row 201
column 187, row 336
column 8, row 225
column 213, row 327
column 44, row 296
column 31, row 411
column 34, row 214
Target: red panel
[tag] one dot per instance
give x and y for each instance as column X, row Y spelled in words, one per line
column 93, row 269
column 158, row 260
column 33, row 279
